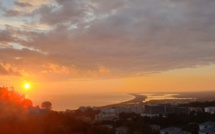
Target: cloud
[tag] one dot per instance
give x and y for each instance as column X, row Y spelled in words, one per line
column 23, row 7
column 120, row 38
column 22, row 4
column 67, row 11
column 33, row 2
column 11, row 13
column 7, row 69
column 54, row 68
column 5, row 36
column 71, row 72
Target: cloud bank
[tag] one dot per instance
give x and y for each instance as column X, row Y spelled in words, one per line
column 93, row 38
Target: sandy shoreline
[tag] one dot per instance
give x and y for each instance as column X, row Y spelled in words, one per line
column 142, row 99
column 137, row 100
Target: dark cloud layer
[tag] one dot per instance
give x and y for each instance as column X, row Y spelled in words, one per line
column 127, row 37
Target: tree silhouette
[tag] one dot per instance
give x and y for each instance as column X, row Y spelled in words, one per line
column 46, row 105
column 12, row 103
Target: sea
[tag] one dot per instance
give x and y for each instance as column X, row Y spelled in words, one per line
column 61, row 102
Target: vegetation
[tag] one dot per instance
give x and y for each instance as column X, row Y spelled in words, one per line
column 46, row 105
column 18, row 116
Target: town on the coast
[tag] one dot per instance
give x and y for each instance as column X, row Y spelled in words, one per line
column 18, row 115
column 187, row 116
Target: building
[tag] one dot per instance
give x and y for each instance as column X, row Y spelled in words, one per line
column 119, row 110
column 195, row 109
column 208, row 124
column 168, row 109
column 210, row 110
column 165, row 109
column 137, row 109
column 173, row 130
column 106, row 114
column 154, row 109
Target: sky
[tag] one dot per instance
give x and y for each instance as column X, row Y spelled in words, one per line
column 67, row 46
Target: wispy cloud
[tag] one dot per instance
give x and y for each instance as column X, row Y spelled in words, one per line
column 7, row 69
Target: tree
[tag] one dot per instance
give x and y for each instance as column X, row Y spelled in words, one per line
column 12, row 104
column 46, row 105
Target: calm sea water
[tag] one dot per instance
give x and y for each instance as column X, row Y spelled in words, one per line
column 74, row 101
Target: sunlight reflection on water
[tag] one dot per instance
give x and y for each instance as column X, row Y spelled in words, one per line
column 151, row 97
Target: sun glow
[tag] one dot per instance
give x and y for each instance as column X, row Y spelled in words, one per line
column 27, row 86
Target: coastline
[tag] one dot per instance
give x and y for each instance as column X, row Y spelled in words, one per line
column 135, row 101
column 145, row 99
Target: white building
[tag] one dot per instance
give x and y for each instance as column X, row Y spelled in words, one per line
column 210, row 110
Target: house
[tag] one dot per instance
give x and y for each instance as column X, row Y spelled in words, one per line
column 207, row 124
column 173, row 130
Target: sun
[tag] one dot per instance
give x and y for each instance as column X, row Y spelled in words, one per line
column 27, row 86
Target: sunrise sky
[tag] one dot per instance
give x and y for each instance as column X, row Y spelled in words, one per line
column 67, row 46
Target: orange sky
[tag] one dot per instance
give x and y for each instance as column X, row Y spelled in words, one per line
column 178, row 80
column 91, row 46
